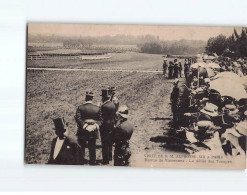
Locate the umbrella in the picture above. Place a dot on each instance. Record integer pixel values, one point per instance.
(229, 87)
(199, 64)
(210, 57)
(228, 75)
(244, 81)
(210, 72)
(213, 65)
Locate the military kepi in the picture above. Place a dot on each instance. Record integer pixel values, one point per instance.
(105, 93)
(59, 124)
(89, 93)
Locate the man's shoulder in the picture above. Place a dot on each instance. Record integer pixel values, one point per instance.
(127, 125)
(71, 141)
(108, 104)
(87, 104)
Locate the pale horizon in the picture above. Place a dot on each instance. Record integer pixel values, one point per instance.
(164, 32)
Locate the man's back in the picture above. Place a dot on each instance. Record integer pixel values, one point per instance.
(87, 111)
(108, 111)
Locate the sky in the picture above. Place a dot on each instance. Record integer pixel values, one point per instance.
(164, 32)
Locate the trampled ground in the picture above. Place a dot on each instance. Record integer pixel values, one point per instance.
(58, 93)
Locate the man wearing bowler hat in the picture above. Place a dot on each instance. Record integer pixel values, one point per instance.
(108, 115)
(64, 150)
(87, 118)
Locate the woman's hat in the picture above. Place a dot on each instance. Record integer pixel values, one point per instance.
(242, 128)
(210, 109)
(123, 111)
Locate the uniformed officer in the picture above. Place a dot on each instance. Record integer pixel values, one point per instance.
(176, 69)
(174, 101)
(108, 115)
(170, 68)
(122, 134)
(180, 69)
(87, 118)
(64, 150)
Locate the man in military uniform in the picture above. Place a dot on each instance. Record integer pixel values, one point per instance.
(64, 150)
(176, 69)
(87, 118)
(108, 115)
(171, 68)
(174, 103)
(122, 135)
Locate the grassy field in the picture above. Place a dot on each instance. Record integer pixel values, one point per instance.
(129, 60)
(52, 94)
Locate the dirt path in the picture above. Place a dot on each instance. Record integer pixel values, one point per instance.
(155, 114)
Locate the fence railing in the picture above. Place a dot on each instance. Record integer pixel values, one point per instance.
(41, 57)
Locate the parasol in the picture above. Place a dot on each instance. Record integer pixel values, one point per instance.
(244, 81)
(213, 65)
(228, 75)
(229, 87)
(199, 64)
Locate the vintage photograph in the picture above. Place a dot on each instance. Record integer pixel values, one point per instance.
(136, 95)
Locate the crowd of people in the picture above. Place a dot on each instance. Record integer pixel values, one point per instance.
(107, 122)
(210, 108)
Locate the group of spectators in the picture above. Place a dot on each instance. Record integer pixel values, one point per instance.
(174, 69)
(107, 122)
(210, 108)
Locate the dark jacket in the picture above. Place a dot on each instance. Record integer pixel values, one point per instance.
(124, 130)
(84, 112)
(108, 112)
(70, 153)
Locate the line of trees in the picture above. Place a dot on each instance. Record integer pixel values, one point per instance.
(232, 46)
(180, 47)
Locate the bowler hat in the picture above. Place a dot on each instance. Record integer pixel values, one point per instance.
(232, 108)
(210, 109)
(89, 93)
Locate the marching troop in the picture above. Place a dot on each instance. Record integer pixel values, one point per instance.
(210, 107)
(107, 122)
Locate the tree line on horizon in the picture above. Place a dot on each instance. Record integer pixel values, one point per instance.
(145, 43)
(232, 46)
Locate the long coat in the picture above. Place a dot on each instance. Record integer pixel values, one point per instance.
(69, 154)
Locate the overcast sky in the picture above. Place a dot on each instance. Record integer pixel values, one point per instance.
(164, 32)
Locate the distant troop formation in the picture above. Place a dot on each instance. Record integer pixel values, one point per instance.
(107, 122)
(210, 108)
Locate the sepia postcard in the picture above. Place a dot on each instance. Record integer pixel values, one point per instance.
(136, 95)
